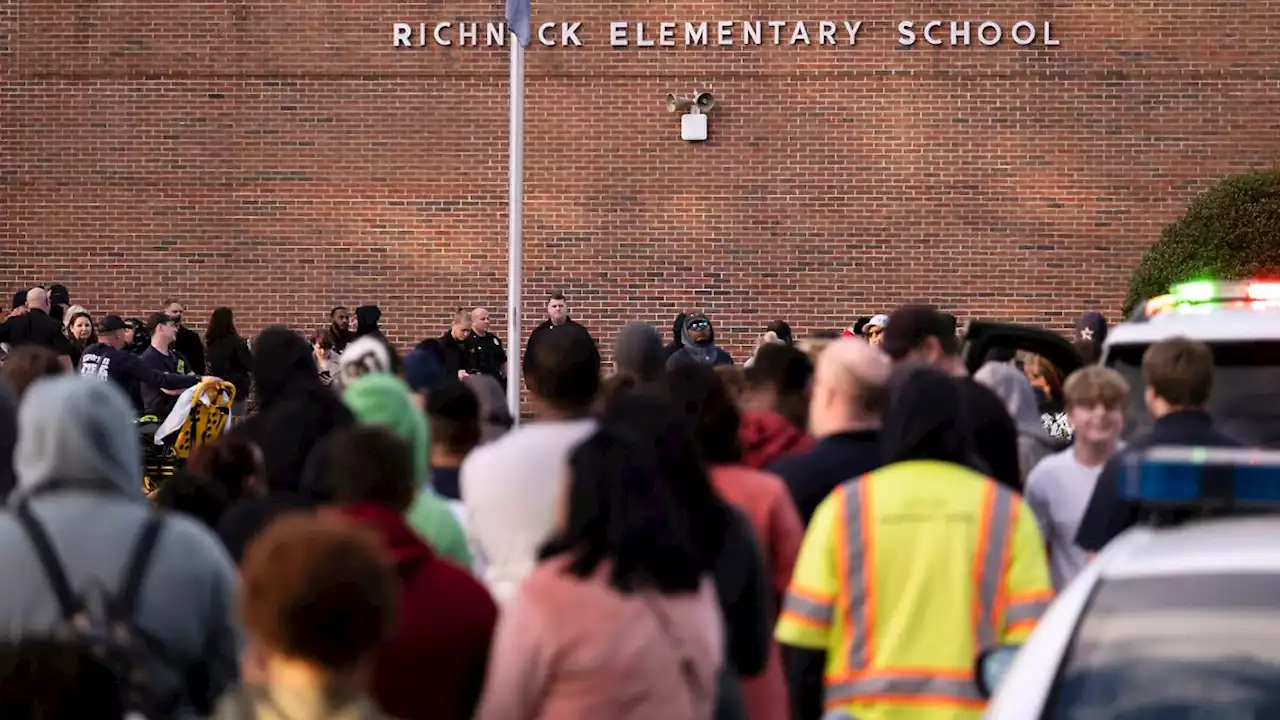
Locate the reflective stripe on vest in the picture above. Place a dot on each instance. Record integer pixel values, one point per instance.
(915, 688)
(998, 517)
(807, 611)
(859, 682)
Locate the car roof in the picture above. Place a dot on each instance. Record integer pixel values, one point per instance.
(1228, 546)
(1207, 325)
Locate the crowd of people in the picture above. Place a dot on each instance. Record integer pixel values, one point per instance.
(838, 525)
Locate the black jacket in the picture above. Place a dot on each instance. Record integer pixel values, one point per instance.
(455, 355)
(1108, 513)
(230, 359)
(35, 327)
(295, 410)
(742, 587)
(539, 333)
(191, 347)
(812, 476)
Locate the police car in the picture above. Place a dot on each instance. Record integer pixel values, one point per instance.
(1172, 620)
(1239, 321)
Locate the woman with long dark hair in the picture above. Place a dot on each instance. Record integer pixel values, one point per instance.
(713, 420)
(621, 599)
(229, 357)
(722, 535)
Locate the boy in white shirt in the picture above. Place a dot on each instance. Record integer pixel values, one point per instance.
(1059, 487)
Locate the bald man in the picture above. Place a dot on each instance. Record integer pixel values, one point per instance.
(844, 415)
(35, 327)
(487, 352)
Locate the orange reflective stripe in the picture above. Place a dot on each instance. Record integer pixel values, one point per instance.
(992, 563)
(805, 611)
(820, 597)
(1021, 626)
(1026, 610)
(904, 689)
(843, 573)
(905, 671)
(1031, 596)
(859, 584)
(857, 682)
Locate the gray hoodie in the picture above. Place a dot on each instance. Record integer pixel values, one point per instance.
(80, 432)
(1019, 398)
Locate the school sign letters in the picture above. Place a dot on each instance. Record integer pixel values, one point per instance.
(722, 33)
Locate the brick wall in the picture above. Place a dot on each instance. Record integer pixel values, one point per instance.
(280, 156)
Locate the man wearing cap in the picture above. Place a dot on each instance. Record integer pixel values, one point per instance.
(873, 331)
(163, 357)
(922, 335)
(107, 359)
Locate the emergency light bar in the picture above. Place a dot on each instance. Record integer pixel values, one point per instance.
(1196, 477)
(1186, 296)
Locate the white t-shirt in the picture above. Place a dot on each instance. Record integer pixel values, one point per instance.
(1058, 490)
(512, 490)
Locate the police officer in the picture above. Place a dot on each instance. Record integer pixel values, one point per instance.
(487, 354)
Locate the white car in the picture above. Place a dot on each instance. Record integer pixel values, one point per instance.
(1168, 622)
(1239, 321)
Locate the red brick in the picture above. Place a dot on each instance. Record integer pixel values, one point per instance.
(281, 157)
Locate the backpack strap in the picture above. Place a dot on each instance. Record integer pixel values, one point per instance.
(136, 571)
(48, 558)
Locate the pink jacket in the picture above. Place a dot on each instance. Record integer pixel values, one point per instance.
(569, 648)
(766, 502)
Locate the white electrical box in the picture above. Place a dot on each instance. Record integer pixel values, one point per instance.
(693, 127)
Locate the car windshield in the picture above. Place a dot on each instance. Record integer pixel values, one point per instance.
(1245, 402)
(1169, 648)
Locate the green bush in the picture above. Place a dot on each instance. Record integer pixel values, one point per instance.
(1231, 232)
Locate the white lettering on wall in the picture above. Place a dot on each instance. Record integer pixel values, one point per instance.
(467, 31)
(667, 34)
(641, 40)
(852, 30)
(994, 37)
(800, 34)
(648, 34)
(543, 40)
(724, 32)
(1024, 38)
(695, 34)
(403, 34)
(569, 34)
(906, 33)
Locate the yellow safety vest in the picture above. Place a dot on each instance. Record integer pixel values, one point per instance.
(905, 575)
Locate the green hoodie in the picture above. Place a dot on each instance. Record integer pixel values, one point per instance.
(384, 399)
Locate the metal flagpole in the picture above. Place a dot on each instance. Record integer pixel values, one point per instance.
(515, 227)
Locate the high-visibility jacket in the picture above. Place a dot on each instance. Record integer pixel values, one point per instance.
(904, 576)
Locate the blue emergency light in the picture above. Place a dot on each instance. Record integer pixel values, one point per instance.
(1195, 477)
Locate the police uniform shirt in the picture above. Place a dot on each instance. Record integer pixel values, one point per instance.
(488, 354)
